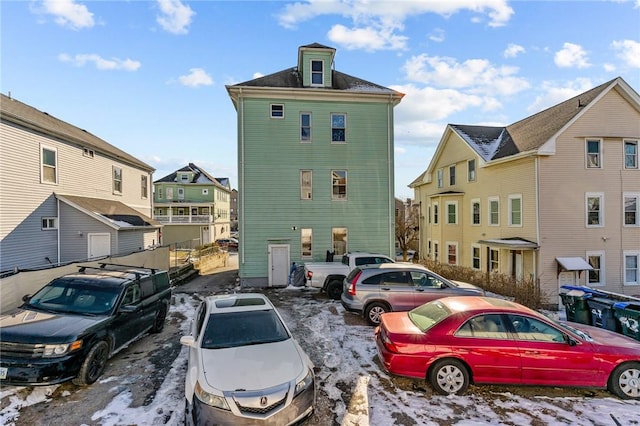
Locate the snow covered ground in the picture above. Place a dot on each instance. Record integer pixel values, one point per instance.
(352, 387)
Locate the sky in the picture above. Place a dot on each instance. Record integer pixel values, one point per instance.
(149, 76)
(351, 351)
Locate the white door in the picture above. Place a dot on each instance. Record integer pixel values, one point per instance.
(567, 278)
(99, 245)
(278, 265)
(205, 235)
(518, 267)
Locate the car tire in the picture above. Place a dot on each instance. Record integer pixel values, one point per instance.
(624, 382)
(93, 365)
(334, 290)
(373, 312)
(449, 376)
(158, 321)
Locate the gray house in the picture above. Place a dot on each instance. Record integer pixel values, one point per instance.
(66, 194)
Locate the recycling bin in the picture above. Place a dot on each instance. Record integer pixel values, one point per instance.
(603, 313)
(575, 305)
(628, 314)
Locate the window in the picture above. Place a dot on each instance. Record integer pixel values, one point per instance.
(435, 213)
(452, 253)
(277, 111)
(452, 175)
(515, 210)
(494, 211)
(452, 212)
(339, 241)
(436, 255)
(475, 257)
(594, 206)
(631, 209)
(144, 187)
(88, 153)
(306, 240)
(494, 260)
(594, 153)
(184, 177)
(205, 191)
(338, 127)
(49, 223)
(49, 161)
(317, 73)
(475, 212)
(596, 275)
(631, 263)
(180, 193)
(630, 154)
(159, 192)
(117, 180)
(305, 127)
(338, 185)
(440, 174)
(471, 170)
(306, 184)
(531, 329)
(169, 193)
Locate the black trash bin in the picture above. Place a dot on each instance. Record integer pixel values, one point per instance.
(603, 313)
(575, 305)
(628, 314)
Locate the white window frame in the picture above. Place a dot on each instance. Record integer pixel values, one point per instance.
(440, 178)
(634, 254)
(276, 111)
(313, 73)
(634, 156)
(117, 181)
(600, 196)
(306, 234)
(453, 204)
(184, 177)
(302, 127)
(492, 261)
(346, 239)
(436, 248)
(181, 193)
(490, 201)
(306, 191)
(144, 187)
(452, 175)
(344, 116)
(42, 165)
(473, 257)
(601, 271)
(471, 170)
(87, 152)
(436, 214)
(513, 197)
(159, 192)
(454, 245)
(593, 160)
(473, 203)
(205, 191)
(338, 197)
(635, 195)
(49, 223)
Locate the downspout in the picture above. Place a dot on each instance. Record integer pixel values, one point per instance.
(58, 229)
(390, 171)
(537, 189)
(241, 173)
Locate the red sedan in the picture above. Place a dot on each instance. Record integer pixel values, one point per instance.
(455, 341)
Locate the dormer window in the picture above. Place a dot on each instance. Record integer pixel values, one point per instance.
(277, 111)
(317, 73)
(184, 177)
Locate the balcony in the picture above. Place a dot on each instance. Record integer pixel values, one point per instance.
(184, 220)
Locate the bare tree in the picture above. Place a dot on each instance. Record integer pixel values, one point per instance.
(407, 230)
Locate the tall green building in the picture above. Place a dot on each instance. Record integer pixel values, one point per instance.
(315, 167)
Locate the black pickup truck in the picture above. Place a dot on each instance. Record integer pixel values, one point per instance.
(73, 325)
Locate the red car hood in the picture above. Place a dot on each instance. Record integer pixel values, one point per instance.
(606, 338)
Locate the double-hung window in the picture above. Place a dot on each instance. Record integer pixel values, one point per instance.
(630, 154)
(117, 180)
(471, 170)
(452, 212)
(435, 213)
(317, 73)
(596, 275)
(594, 153)
(144, 186)
(338, 127)
(49, 162)
(339, 241)
(452, 175)
(594, 209)
(631, 267)
(494, 211)
(338, 184)
(452, 253)
(475, 256)
(306, 184)
(494, 260)
(439, 174)
(515, 210)
(305, 127)
(631, 209)
(306, 241)
(475, 212)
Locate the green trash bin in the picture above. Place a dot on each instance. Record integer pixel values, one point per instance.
(603, 314)
(628, 314)
(576, 307)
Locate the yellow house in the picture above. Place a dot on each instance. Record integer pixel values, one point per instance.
(554, 197)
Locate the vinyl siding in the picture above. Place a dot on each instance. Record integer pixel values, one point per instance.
(75, 227)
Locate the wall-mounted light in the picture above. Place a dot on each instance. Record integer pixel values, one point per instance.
(80, 233)
(293, 228)
(605, 239)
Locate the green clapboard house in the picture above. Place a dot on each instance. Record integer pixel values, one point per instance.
(315, 167)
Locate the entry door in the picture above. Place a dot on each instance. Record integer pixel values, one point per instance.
(567, 278)
(517, 265)
(99, 245)
(205, 235)
(278, 265)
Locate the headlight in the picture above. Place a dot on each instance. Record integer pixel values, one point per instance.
(304, 383)
(210, 399)
(61, 349)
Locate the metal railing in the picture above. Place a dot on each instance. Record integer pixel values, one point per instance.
(184, 219)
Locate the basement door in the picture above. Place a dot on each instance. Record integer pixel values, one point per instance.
(278, 264)
(99, 245)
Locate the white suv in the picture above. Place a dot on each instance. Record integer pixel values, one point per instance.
(244, 365)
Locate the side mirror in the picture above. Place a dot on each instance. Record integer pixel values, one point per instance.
(26, 297)
(569, 340)
(188, 341)
(128, 309)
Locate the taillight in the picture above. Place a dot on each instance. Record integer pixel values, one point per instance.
(391, 347)
(309, 274)
(352, 288)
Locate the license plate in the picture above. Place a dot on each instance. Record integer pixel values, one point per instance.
(3, 372)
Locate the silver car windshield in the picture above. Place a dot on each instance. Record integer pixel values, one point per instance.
(233, 329)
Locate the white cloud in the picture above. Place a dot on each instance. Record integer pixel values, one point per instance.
(554, 93)
(476, 75)
(437, 35)
(628, 51)
(609, 67)
(67, 13)
(571, 56)
(376, 23)
(513, 50)
(175, 17)
(196, 77)
(81, 60)
(257, 75)
(399, 150)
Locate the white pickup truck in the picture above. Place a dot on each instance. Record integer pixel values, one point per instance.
(328, 276)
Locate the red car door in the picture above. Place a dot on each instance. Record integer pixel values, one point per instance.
(547, 359)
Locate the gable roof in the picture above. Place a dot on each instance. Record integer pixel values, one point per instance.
(23, 115)
(110, 212)
(200, 176)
